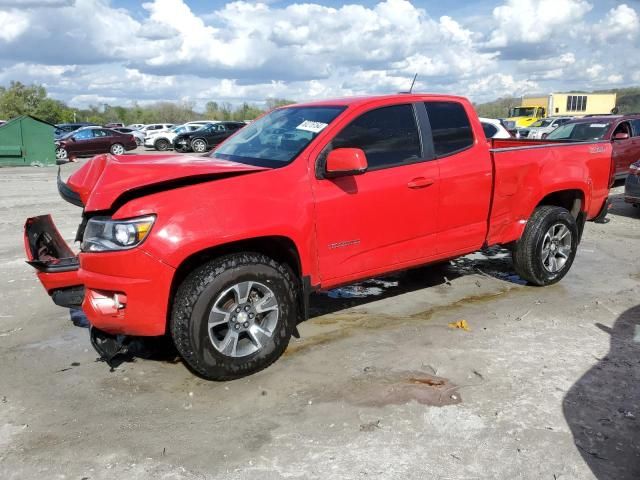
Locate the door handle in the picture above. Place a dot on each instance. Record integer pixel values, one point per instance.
(420, 182)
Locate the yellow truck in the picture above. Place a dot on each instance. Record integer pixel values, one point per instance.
(561, 104)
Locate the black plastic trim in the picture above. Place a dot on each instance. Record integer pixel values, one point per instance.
(67, 193)
(70, 297)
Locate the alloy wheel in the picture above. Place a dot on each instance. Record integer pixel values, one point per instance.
(556, 247)
(243, 318)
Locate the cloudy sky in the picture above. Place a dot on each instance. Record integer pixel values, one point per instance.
(121, 51)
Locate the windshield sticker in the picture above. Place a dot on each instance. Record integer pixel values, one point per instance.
(310, 126)
(598, 125)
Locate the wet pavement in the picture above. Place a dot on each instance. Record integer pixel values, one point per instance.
(542, 384)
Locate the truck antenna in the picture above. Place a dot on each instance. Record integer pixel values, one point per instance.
(413, 82)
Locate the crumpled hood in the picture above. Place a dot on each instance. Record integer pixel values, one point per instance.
(105, 178)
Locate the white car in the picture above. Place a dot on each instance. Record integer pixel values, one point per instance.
(135, 126)
(493, 128)
(163, 140)
(542, 127)
(156, 127)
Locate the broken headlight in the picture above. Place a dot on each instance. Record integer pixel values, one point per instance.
(102, 234)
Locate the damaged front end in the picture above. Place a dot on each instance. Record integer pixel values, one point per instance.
(55, 262)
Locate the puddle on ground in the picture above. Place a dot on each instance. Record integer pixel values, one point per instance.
(493, 262)
(346, 324)
(377, 389)
(368, 288)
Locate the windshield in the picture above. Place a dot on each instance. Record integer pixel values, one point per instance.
(580, 131)
(542, 123)
(277, 138)
(523, 112)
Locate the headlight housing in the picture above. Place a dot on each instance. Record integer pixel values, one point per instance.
(103, 234)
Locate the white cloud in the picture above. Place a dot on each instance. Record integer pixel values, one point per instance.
(534, 21)
(621, 23)
(13, 24)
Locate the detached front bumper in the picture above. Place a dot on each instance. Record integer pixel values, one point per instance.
(124, 292)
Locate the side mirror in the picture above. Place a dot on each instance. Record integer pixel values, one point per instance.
(345, 161)
(72, 138)
(621, 136)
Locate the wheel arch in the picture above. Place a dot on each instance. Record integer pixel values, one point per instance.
(572, 200)
(280, 248)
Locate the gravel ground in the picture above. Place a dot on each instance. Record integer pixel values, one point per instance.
(544, 384)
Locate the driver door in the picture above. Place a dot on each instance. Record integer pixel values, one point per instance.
(83, 144)
(386, 217)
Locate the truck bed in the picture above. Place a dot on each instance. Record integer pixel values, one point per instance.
(527, 170)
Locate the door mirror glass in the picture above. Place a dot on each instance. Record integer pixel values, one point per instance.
(621, 136)
(345, 161)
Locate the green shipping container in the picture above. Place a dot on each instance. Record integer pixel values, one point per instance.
(27, 140)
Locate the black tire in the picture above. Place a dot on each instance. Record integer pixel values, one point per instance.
(197, 295)
(161, 144)
(138, 141)
(527, 251)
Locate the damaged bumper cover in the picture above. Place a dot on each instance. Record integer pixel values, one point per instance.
(121, 293)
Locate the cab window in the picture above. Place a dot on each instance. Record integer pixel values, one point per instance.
(388, 136)
(450, 127)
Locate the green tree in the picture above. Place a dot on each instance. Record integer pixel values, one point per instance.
(274, 102)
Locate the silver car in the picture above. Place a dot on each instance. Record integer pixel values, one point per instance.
(543, 127)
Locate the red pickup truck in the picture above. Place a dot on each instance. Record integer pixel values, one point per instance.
(222, 252)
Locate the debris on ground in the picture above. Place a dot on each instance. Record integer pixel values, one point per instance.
(460, 324)
(370, 427)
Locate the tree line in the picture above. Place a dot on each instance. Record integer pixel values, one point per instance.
(19, 99)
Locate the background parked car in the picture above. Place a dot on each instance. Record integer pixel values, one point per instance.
(632, 185)
(163, 140)
(136, 126)
(63, 129)
(542, 127)
(622, 130)
(94, 140)
(493, 128)
(139, 136)
(114, 125)
(207, 137)
(146, 129)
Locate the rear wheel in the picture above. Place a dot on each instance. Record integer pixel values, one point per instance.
(545, 252)
(117, 149)
(234, 316)
(199, 145)
(161, 144)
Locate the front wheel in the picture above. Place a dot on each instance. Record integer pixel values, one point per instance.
(545, 252)
(61, 153)
(234, 315)
(117, 149)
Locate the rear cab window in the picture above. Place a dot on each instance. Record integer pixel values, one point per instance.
(450, 127)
